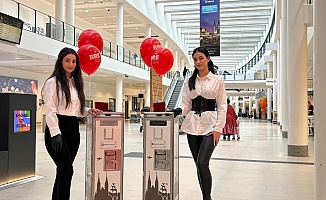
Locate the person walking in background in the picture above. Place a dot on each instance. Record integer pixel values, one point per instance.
(184, 71)
(310, 108)
(230, 127)
(64, 102)
(203, 124)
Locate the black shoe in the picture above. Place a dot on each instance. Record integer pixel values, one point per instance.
(224, 138)
(229, 138)
(233, 138)
(238, 138)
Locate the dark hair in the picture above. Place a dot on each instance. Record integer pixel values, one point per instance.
(62, 81)
(192, 79)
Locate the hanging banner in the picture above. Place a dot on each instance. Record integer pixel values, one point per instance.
(210, 26)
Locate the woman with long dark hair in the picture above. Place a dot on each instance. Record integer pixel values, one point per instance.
(64, 101)
(204, 104)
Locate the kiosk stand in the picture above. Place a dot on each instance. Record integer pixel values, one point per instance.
(104, 156)
(17, 137)
(161, 156)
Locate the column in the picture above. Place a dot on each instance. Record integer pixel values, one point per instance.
(319, 43)
(130, 108)
(119, 31)
(284, 68)
(275, 88)
(147, 94)
(70, 20)
(243, 105)
(297, 80)
(269, 103)
(165, 43)
(182, 65)
(257, 106)
(175, 62)
(118, 92)
(148, 30)
(250, 105)
(279, 89)
(59, 15)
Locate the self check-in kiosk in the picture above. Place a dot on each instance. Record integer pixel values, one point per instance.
(104, 156)
(161, 156)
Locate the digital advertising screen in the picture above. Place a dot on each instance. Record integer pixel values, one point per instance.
(22, 120)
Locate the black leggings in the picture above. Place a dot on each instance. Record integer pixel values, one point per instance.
(201, 148)
(69, 128)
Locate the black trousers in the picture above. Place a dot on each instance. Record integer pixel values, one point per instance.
(64, 159)
(202, 148)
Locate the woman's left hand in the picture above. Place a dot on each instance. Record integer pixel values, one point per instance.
(216, 136)
(94, 111)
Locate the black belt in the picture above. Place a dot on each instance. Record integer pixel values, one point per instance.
(201, 104)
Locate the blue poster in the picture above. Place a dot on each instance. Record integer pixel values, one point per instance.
(210, 26)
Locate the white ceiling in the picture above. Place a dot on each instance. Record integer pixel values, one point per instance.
(243, 23)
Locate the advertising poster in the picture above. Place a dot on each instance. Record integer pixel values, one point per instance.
(107, 162)
(158, 160)
(18, 85)
(210, 26)
(22, 120)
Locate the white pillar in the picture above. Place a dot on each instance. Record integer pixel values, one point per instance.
(269, 103)
(182, 65)
(119, 31)
(297, 80)
(148, 30)
(70, 19)
(274, 87)
(130, 108)
(165, 43)
(118, 92)
(59, 15)
(319, 60)
(250, 105)
(147, 94)
(279, 89)
(175, 63)
(284, 67)
(237, 105)
(243, 105)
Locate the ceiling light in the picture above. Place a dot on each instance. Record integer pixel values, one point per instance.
(127, 22)
(85, 10)
(104, 24)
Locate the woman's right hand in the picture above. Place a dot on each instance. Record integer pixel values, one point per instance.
(57, 143)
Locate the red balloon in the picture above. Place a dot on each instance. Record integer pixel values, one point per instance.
(147, 48)
(162, 61)
(89, 58)
(91, 37)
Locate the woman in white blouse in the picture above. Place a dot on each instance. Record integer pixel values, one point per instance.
(64, 101)
(204, 104)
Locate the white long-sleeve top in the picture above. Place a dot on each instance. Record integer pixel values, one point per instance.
(209, 87)
(52, 106)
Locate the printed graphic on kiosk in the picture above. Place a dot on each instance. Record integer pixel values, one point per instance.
(22, 120)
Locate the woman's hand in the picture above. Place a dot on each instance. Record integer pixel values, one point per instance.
(94, 111)
(216, 136)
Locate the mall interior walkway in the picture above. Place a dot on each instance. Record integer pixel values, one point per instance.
(256, 167)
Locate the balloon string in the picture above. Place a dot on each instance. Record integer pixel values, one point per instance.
(89, 87)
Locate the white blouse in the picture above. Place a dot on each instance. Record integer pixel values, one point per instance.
(52, 106)
(209, 87)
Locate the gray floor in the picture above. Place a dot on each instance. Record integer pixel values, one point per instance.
(256, 167)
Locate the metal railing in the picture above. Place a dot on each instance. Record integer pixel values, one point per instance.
(243, 70)
(48, 26)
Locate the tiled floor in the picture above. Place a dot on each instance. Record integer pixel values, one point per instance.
(256, 167)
